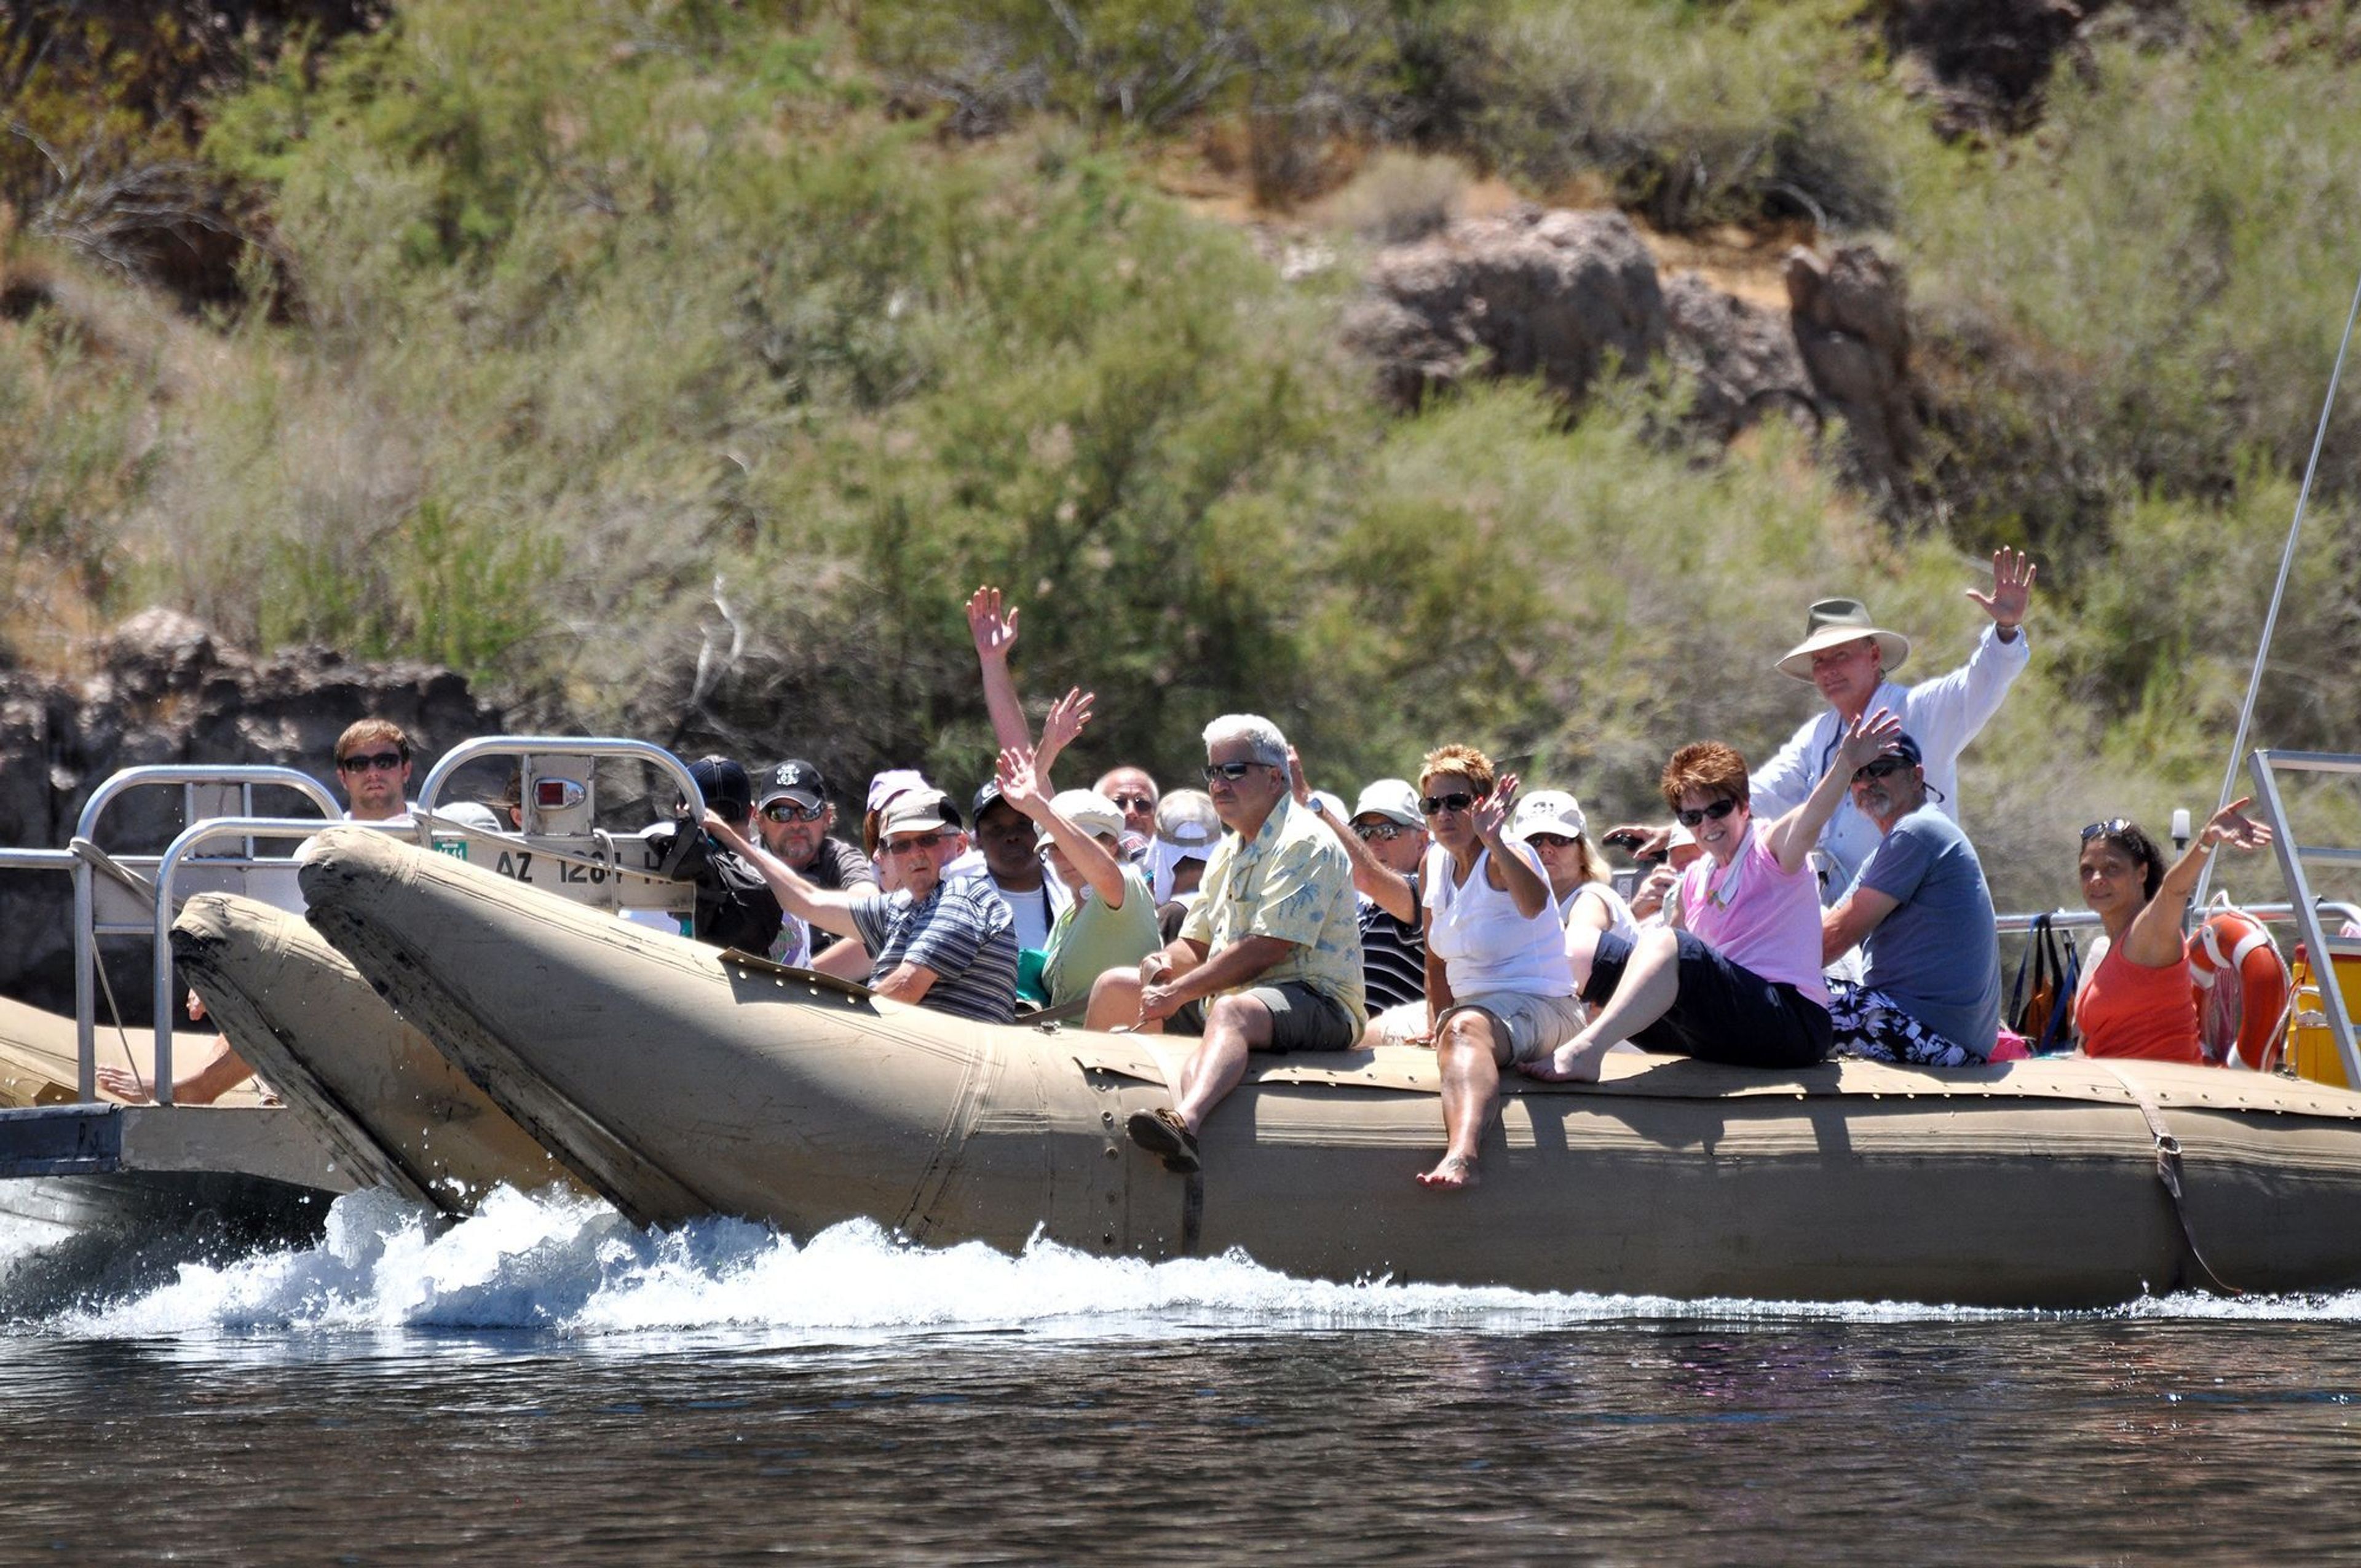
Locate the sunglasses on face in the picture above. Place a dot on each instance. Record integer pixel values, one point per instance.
(1384, 832)
(1134, 801)
(2112, 827)
(384, 761)
(1437, 804)
(1718, 810)
(788, 811)
(1233, 771)
(918, 841)
(1548, 840)
(1879, 769)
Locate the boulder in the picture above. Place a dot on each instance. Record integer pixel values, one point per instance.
(1549, 294)
(1741, 357)
(164, 689)
(1850, 315)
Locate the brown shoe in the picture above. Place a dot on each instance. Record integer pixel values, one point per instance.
(1162, 1132)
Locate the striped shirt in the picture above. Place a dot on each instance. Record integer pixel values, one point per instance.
(1393, 954)
(962, 932)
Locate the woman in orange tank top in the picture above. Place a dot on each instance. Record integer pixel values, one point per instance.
(2137, 1000)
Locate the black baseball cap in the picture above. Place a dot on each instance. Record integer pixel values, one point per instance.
(794, 780)
(726, 787)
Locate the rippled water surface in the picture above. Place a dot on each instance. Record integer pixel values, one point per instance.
(544, 1382)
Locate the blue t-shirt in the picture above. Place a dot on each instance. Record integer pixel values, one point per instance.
(962, 932)
(1936, 953)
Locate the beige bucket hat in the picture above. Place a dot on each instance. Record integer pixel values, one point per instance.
(1835, 621)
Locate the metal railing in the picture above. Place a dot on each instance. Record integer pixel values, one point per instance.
(202, 786)
(141, 892)
(2271, 807)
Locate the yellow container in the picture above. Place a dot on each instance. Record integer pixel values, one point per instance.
(2311, 1046)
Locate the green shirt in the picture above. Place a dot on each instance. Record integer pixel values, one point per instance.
(1090, 938)
(1293, 881)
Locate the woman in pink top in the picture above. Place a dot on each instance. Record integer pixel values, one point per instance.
(2136, 1000)
(1739, 981)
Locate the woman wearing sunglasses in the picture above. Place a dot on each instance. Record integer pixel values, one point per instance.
(1498, 989)
(1739, 979)
(2137, 1000)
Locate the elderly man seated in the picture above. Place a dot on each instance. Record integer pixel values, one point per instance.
(945, 943)
(1922, 917)
(1270, 958)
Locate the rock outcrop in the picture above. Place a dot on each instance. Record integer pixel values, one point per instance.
(1558, 295)
(1850, 315)
(167, 690)
(1553, 294)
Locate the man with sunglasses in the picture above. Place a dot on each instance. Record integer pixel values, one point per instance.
(373, 767)
(1268, 958)
(793, 816)
(1851, 660)
(946, 943)
(1135, 795)
(1922, 915)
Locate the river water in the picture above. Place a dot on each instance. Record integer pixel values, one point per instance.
(544, 1382)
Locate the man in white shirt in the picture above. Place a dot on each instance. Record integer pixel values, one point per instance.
(1851, 659)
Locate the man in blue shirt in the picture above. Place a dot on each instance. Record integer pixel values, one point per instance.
(1922, 915)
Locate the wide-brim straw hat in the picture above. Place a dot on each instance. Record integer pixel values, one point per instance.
(1837, 622)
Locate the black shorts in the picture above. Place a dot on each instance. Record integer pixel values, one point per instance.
(1724, 1012)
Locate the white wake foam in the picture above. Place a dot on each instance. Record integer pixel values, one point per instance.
(572, 1264)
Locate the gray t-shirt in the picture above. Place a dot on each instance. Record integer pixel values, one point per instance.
(1936, 953)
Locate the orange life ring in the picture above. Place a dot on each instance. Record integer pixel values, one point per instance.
(2241, 987)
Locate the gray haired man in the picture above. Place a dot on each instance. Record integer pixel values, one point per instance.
(1269, 957)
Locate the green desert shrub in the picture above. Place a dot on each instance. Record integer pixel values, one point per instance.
(2147, 291)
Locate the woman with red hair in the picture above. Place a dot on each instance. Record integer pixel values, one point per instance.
(1739, 979)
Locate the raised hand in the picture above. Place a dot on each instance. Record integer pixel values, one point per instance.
(993, 630)
(1296, 782)
(1490, 813)
(1020, 784)
(724, 829)
(2012, 589)
(1866, 739)
(2230, 825)
(1064, 721)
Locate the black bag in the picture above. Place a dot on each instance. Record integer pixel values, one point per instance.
(735, 907)
(2042, 1012)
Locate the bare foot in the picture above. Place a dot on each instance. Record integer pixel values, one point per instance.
(1572, 1062)
(1452, 1173)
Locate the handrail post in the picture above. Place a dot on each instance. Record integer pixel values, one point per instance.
(2307, 912)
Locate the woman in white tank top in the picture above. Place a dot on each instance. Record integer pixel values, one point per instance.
(1499, 988)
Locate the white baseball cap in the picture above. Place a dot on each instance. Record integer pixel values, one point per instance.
(1548, 811)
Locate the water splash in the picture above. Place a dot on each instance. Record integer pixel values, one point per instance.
(554, 1262)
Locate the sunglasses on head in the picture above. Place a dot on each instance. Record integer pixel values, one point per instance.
(916, 841)
(1879, 769)
(1134, 801)
(1233, 771)
(1718, 810)
(2112, 827)
(1384, 832)
(384, 761)
(788, 811)
(1437, 804)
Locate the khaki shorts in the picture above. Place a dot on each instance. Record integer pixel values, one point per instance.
(1531, 1025)
(1302, 1019)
